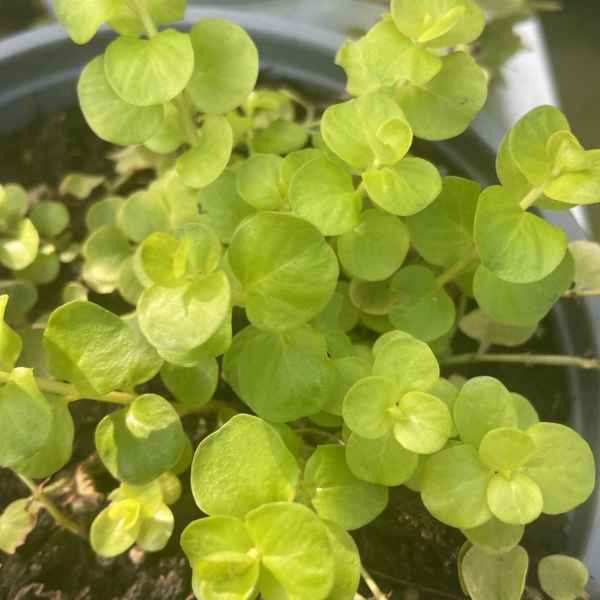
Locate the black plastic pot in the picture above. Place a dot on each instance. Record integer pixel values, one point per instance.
(38, 73)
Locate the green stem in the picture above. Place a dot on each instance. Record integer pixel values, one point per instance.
(532, 197)
(186, 117)
(373, 587)
(140, 7)
(59, 518)
(582, 293)
(554, 360)
(457, 268)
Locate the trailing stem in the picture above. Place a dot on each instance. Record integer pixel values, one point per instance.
(531, 198)
(582, 294)
(553, 360)
(372, 585)
(59, 517)
(457, 268)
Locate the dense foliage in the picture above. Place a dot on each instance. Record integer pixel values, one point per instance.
(314, 271)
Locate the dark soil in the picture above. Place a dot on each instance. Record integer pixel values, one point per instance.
(20, 14)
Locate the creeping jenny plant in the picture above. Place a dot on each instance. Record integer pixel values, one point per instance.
(294, 275)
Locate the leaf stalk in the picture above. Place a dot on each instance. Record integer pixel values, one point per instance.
(553, 360)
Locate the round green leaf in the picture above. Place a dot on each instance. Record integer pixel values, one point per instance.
(178, 320)
(367, 406)
(156, 529)
(454, 485)
(193, 386)
(104, 252)
(287, 270)
(373, 297)
(110, 117)
(563, 577)
(43, 270)
(145, 362)
(447, 392)
(201, 246)
(295, 160)
(16, 523)
(19, 247)
(90, 347)
(27, 416)
(442, 233)
(495, 535)
(258, 181)
(49, 218)
(280, 137)
(506, 449)
(227, 479)
(146, 72)
(225, 66)
(492, 576)
(286, 376)
(11, 344)
(323, 193)
(143, 214)
(409, 362)
(22, 297)
(104, 212)
(339, 314)
(82, 19)
(226, 574)
(422, 423)
(522, 304)
(348, 370)
(424, 309)
(171, 134)
(294, 547)
(375, 248)
(526, 413)
(483, 404)
(347, 563)
(127, 22)
(162, 260)
(516, 501)
(404, 189)
(368, 131)
(382, 461)
(336, 494)
(479, 326)
(516, 245)
(586, 256)
(116, 528)
(562, 466)
(445, 106)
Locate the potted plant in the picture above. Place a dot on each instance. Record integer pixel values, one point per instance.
(302, 316)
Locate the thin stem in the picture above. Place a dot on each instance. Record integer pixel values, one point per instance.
(582, 293)
(186, 117)
(59, 518)
(457, 268)
(373, 587)
(315, 431)
(531, 198)
(554, 360)
(140, 7)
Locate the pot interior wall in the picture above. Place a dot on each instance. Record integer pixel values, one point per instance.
(38, 74)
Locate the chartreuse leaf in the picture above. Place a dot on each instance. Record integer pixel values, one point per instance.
(146, 72)
(49, 218)
(104, 252)
(563, 577)
(323, 193)
(227, 479)
(528, 141)
(129, 286)
(562, 466)
(225, 66)
(381, 461)
(126, 22)
(285, 376)
(442, 233)
(494, 576)
(444, 107)
(171, 134)
(346, 563)
(368, 131)
(58, 447)
(404, 189)
(348, 370)
(192, 386)
(16, 523)
(516, 245)
(384, 57)
(339, 314)
(139, 443)
(506, 449)
(295, 160)
(447, 392)
(29, 414)
(104, 212)
(286, 269)
(22, 297)
(409, 362)
(19, 246)
(83, 18)
(142, 214)
(336, 494)
(479, 326)
(375, 248)
(483, 404)
(201, 246)
(522, 304)
(495, 535)
(224, 208)
(203, 163)
(110, 117)
(367, 406)
(372, 297)
(163, 260)
(177, 321)
(279, 137)
(454, 485)
(586, 256)
(156, 529)
(439, 24)
(526, 413)
(10, 341)
(80, 185)
(90, 347)
(516, 500)
(581, 187)
(294, 547)
(43, 270)
(423, 308)
(145, 362)
(231, 360)
(116, 528)
(258, 181)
